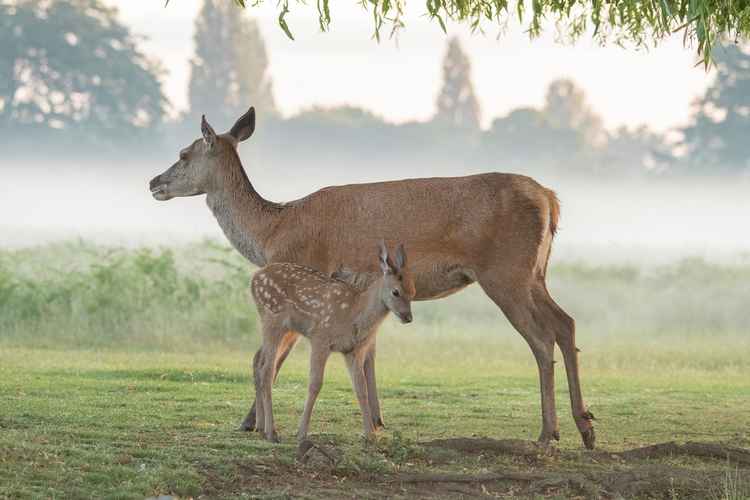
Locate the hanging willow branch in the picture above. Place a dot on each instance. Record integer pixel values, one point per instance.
(638, 22)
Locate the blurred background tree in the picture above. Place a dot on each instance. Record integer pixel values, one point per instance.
(457, 106)
(70, 71)
(71, 66)
(717, 137)
(230, 68)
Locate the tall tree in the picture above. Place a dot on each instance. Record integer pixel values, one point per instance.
(71, 65)
(717, 137)
(566, 108)
(456, 104)
(230, 67)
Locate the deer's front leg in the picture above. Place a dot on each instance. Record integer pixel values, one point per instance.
(355, 363)
(372, 389)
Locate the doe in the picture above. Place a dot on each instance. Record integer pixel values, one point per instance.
(336, 316)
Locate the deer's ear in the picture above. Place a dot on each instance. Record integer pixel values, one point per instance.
(244, 127)
(208, 133)
(400, 257)
(385, 261)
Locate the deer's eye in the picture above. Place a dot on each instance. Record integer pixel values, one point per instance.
(183, 155)
(396, 293)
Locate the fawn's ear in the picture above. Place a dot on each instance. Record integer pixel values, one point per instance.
(244, 127)
(385, 261)
(400, 257)
(209, 136)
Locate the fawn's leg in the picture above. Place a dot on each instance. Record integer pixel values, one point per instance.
(249, 423)
(355, 363)
(258, 361)
(272, 339)
(372, 389)
(266, 400)
(318, 358)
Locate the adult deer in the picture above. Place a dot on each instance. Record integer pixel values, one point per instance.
(494, 229)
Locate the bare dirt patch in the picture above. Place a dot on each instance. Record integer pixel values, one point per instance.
(320, 471)
(634, 473)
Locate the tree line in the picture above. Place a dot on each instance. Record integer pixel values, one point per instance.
(71, 72)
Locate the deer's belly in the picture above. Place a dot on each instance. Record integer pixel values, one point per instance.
(441, 281)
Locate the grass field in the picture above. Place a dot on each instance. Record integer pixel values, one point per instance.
(124, 373)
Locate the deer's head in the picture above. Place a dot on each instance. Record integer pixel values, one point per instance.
(196, 171)
(397, 284)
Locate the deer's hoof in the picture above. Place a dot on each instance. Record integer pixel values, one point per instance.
(589, 438)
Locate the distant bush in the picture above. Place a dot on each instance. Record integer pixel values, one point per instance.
(83, 296)
(121, 297)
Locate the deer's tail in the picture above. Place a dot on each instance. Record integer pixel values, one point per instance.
(554, 211)
(554, 220)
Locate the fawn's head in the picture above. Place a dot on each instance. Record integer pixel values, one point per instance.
(396, 285)
(196, 171)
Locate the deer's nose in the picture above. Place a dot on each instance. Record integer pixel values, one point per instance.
(407, 318)
(154, 182)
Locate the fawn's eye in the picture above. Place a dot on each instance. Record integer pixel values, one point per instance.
(396, 293)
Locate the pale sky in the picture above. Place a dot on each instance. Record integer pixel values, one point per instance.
(399, 80)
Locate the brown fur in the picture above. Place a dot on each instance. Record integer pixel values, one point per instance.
(294, 300)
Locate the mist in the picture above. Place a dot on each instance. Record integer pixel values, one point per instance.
(603, 221)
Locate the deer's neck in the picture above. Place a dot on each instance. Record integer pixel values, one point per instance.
(370, 311)
(245, 217)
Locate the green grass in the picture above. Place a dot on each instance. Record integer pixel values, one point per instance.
(123, 374)
(89, 424)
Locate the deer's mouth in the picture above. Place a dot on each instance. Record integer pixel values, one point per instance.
(159, 189)
(160, 193)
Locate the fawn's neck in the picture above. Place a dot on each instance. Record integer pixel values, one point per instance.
(370, 310)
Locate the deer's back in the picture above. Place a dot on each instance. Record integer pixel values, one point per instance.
(453, 228)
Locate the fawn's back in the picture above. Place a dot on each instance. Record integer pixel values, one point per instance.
(301, 297)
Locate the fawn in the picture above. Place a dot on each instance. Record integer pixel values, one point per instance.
(336, 316)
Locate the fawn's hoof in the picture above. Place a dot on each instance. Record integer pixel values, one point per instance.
(546, 437)
(272, 437)
(378, 424)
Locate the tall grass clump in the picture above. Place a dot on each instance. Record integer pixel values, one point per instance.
(84, 296)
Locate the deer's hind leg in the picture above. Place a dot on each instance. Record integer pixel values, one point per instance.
(517, 302)
(565, 330)
(541, 322)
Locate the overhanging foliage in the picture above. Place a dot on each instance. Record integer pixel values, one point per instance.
(638, 22)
